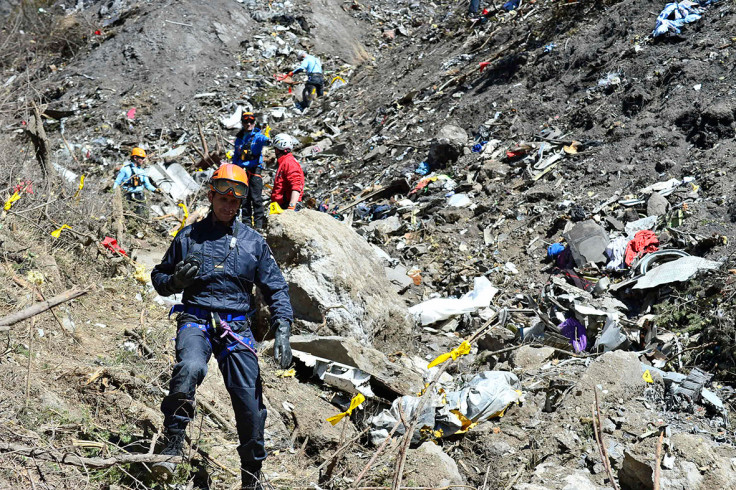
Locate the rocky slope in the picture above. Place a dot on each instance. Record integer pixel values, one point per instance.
(472, 145)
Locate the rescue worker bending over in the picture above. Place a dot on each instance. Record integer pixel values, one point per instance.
(215, 262)
(312, 66)
(249, 145)
(288, 185)
(133, 178)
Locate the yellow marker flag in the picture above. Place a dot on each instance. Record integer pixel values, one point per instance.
(81, 186)
(57, 233)
(647, 376)
(461, 350)
(274, 208)
(183, 220)
(11, 200)
(354, 403)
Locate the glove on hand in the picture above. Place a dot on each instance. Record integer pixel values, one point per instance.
(184, 274)
(290, 74)
(267, 131)
(281, 347)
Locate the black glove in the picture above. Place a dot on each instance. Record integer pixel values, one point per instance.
(281, 347)
(184, 274)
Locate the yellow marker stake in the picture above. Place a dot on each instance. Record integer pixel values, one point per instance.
(274, 208)
(647, 376)
(57, 233)
(183, 220)
(11, 200)
(461, 350)
(354, 403)
(81, 186)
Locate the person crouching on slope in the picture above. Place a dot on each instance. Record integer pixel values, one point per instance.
(288, 185)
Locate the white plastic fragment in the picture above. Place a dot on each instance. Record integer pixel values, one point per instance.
(438, 309)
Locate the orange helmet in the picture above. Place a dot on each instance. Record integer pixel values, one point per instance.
(138, 152)
(230, 179)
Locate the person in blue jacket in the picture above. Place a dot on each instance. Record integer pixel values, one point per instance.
(132, 178)
(248, 154)
(215, 264)
(312, 66)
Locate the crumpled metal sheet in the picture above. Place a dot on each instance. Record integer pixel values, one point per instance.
(676, 271)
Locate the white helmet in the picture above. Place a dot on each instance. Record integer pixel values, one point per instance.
(301, 54)
(283, 142)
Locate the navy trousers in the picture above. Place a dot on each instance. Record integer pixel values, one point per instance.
(474, 6)
(242, 376)
(253, 205)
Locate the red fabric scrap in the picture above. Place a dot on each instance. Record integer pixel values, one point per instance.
(112, 244)
(131, 114)
(483, 65)
(644, 242)
(24, 186)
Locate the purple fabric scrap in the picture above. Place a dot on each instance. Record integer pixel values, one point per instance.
(575, 331)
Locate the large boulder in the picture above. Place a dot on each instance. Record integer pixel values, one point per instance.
(337, 282)
(428, 466)
(447, 146)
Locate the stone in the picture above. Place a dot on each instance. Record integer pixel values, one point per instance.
(529, 358)
(444, 471)
(350, 352)
(384, 227)
(616, 375)
(657, 205)
(307, 410)
(397, 276)
(447, 146)
(337, 282)
(630, 215)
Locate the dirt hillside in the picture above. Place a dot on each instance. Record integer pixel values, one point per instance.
(451, 154)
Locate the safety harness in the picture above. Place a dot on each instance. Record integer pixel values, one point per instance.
(210, 332)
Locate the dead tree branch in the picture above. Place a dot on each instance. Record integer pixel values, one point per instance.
(75, 460)
(40, 307)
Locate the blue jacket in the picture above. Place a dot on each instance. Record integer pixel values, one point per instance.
(310, 64)
(249, 149)
(232, 258)
(125, 178)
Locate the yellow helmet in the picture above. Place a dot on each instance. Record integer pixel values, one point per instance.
(138, 152)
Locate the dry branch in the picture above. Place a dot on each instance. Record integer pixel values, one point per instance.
(75, 460)
(37, 308)
(215, 416)
(40, 142)
(117, 215)
(657, 463)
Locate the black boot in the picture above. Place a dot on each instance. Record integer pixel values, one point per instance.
(251, 478)
(174, 447)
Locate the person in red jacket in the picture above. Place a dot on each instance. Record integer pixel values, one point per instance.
(288, 185)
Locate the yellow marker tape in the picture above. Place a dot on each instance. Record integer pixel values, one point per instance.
(57, 233)
(286, 373)
(81, 186)
(467, 424)
(647, 376)
(183, 220)
(461, 350)
(354, 403)
(274, 208)
(11, 200)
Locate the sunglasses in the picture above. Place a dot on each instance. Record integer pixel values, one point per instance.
(248, 120)
(224, 186)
